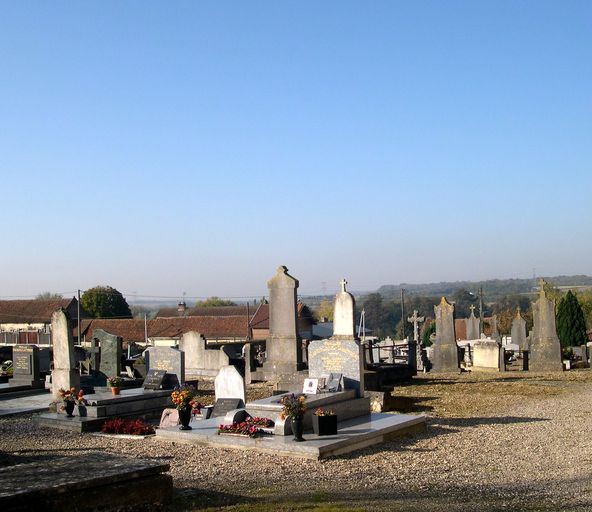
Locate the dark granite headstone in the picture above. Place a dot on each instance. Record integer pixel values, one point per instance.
(154, 379)
(110, 357)
(25, 364)
(169, 359)
(224, 405)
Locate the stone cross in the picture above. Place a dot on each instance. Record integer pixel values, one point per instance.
(472, 308)
(95, 354)
(415, 320)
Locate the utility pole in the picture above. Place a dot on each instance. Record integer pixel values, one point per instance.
(145, 330)
(78, 315)
(480, 310)
(403, 312)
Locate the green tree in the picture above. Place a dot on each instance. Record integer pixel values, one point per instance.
(571, 326)
(105, 302)
(49, 296)
(325, 310)
(585, 300)
(214, 301)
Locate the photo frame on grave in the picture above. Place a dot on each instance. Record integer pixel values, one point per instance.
(310, 387)
(334, 382)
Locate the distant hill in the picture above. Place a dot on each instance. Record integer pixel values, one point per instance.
(492, 288)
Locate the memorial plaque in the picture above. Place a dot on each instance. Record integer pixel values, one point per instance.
(334, 382)
(154, 379)
(225, 405)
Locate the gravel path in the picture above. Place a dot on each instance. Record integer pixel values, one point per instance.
(529, 454)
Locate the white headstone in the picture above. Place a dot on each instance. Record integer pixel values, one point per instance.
(229, 383)
(343, 314)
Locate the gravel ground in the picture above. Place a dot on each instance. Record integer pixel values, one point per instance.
(494, 442)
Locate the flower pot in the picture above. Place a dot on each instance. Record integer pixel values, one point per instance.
(69, 408)
(297, 428)
(115, 391)
(324, 425)
(82, 411)
(185, 417)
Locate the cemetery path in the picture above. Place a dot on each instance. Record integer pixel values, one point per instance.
(495, 442)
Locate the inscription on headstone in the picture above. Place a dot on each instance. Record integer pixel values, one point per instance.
(225, 405)
(25, 363)
(169, 359)
(154, 379)
(337, 356)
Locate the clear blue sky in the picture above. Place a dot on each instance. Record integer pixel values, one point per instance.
(189, 146)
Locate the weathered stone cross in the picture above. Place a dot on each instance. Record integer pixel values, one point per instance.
(472, 308)
(415, 320)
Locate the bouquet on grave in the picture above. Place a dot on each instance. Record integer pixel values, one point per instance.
(183, 397)
(294, 406)
(70, 395)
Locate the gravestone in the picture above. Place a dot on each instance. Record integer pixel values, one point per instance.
(201, 361)
(64, 374)
(486, 355)
(284, 353)
(343, 314)
(445, 350)
(519, 331)
(473, 325)
(25, 364)
(545, 349)
(495, 334)
(229, 383)
(95, 354)
(44, 360)
(339, 357)
(154, 379)
(416, 320)
(169, 359)
(110, 356)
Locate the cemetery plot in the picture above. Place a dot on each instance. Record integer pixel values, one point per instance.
(100, 480)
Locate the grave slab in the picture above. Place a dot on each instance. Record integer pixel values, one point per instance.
(101, 480)
(353, 434)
